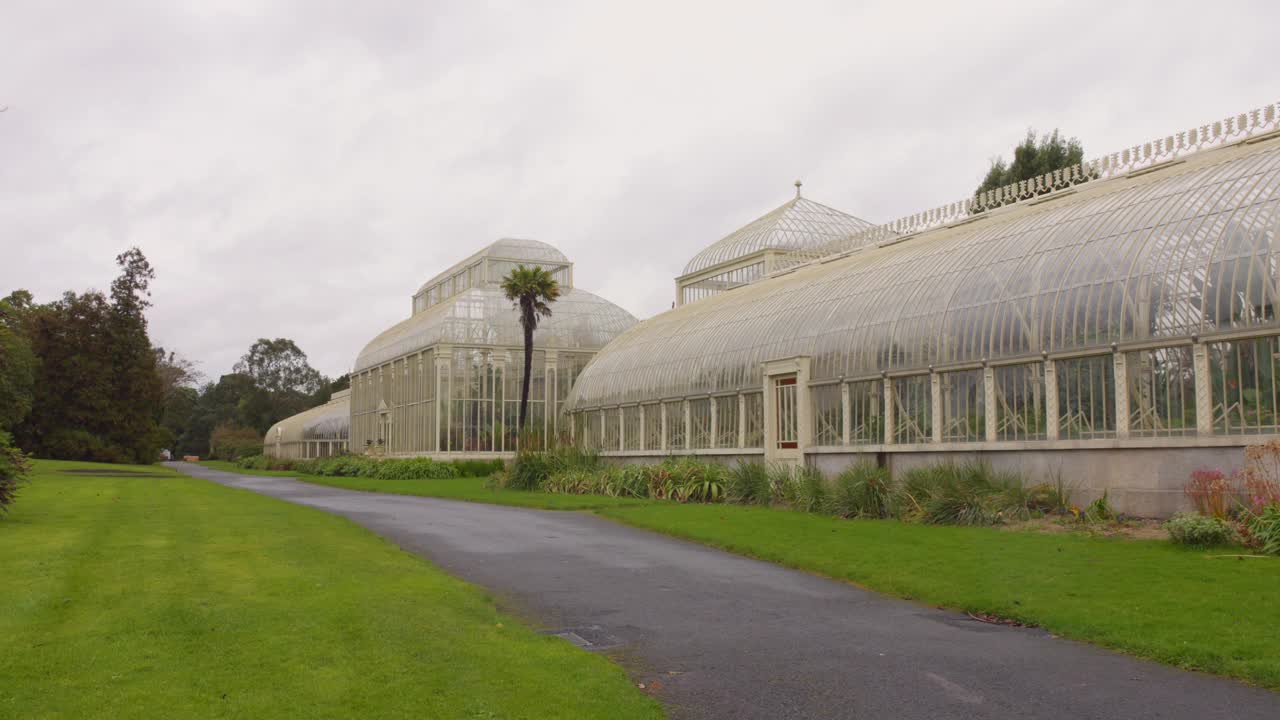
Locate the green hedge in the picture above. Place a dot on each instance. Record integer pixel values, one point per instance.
(388, 469)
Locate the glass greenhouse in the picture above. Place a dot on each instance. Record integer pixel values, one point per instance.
(1128, 301)
(447, 379)
(319, 432)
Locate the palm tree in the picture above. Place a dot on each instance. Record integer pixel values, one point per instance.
(530, 291)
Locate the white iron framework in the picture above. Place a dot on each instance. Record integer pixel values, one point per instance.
(1129, 299)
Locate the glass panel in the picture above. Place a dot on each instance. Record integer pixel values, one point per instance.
(866, 421)
(631, 427)
(784, 403)
(828, 415)
(700, 423)
(612, 429)
(727, 421)
(963, 406)
(652, 427)
(754, 405)
(1020, 409)
(675, 424)
(1086, 397)
(913, 404)
(1162, 392)
(1245, 391)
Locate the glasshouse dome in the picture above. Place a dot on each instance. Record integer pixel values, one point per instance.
(792, 233)
(1129, 302)
(447, 379)
(321, 431)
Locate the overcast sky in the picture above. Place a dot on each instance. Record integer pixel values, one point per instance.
(297, 169)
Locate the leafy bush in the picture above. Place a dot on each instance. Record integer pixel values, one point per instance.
(1196, 529)
(232, 442)
(14, 467)
(695, 481)
(1265, 528)
(748, 484)
(477, 468)
(531, 468)
(861, 491)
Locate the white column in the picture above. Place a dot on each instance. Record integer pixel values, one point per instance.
(644, 428)
(1120, 365)
(622, 429)
(889, 412)
(989, 402)
(846, 414)
(1050, 400)
(1204, 389)
(935, 407)
(688, 425)
(662, 409)
(742, 420)
(715, 424)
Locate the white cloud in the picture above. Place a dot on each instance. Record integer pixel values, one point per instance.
(297, 169)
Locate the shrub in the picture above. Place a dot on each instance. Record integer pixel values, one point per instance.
(1211, 491)
(1265, 529)
(748, 484)
(14, 468)
(694, 481)
(1196, 529)
(861, 491)
(409, 469)
(530, 469)
(477, 468)
(232, 442)
(1262, 474)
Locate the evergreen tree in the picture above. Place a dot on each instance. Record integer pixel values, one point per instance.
(1032, 159)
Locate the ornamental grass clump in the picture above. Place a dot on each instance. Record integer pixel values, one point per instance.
(747, 483)
(1265, 529)
(960, 494)
(861, 491)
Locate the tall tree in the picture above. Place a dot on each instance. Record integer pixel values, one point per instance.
(97, 395)
(176, 372)
(288, 383)
(17, 361)
(531, 291)
(1032, 159)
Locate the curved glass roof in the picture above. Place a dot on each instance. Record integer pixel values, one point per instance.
(533, 251)
(331, 421)
(798, 224)
(1184, 248)
(483, 316)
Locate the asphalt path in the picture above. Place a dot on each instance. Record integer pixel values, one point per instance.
(716, 635)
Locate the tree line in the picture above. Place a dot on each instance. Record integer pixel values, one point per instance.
(80, 379)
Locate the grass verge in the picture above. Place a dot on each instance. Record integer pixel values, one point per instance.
(166, 596)
(466, 488)
(1148, 598)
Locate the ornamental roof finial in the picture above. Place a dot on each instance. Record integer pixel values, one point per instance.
(798, 184)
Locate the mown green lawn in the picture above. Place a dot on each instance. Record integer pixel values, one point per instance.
(467, 488)
(1148, 598)
(171, 597)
